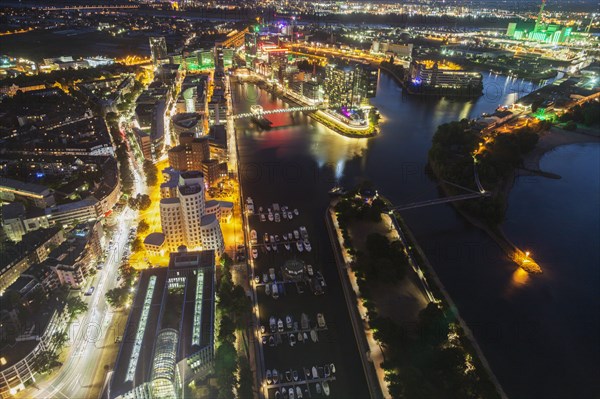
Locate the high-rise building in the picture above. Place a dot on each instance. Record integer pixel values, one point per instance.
(348, 85)
(190, 153)
(339, 84)
(183, 218)
(158, 49)
(218, 54)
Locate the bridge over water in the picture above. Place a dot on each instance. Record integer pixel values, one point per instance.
(470, 194)
(257, 110)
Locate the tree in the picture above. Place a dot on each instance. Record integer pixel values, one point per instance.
(137, 245)
(59, 339)
(144, 201)
(245, 380)
(151, 173)
(240, 306)
(46, 360)
(433, 325)
(76, 305)
(225, 366)
(226, 261)
(143, 227)
(117, 297)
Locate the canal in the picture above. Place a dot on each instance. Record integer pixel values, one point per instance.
(537, 345)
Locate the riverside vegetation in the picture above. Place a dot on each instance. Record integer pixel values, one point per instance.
(429, 358)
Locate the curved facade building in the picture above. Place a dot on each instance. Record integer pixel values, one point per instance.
(165, 382)
(211, 235)
(171, 222)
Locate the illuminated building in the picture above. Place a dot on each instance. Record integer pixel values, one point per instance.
(540, 32)
(21, 358)
(183, 217)
(190, 153)
(35, 194)
(75, 258)
(34, 248)
(440, 81)
(158, 49)
(169, 338)
(403, 51)
(188, 122)
(348, 85)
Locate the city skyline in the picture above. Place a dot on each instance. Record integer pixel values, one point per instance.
(366, 199)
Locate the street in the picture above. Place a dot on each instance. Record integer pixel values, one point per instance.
(91, 335)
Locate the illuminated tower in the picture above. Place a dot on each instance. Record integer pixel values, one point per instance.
(538, 21)
(158, 49)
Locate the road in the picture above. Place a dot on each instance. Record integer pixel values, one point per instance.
(78, 376)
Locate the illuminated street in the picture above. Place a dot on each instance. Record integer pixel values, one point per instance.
(293, 200)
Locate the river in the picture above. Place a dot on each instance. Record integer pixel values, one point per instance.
(537, 334)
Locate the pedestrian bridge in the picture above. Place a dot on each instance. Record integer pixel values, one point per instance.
(257, 110)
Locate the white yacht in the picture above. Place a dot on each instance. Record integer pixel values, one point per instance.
(320, 320)
(318, 388)
(303, 233)
(304, 321)
(269, 377)
(307, 246)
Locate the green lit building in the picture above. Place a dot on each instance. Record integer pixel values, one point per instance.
(550, 33)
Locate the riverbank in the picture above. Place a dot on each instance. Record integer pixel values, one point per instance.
(549, 140)
(386, 326)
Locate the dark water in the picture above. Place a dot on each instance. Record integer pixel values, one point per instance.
(541, 335)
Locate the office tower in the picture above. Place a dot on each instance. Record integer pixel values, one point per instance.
(158, 49)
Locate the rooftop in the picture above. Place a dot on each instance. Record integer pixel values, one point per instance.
(6, 183)
(181, 295)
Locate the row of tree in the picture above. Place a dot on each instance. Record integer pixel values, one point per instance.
(420, 359)
(235, 310)
(140, 201)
